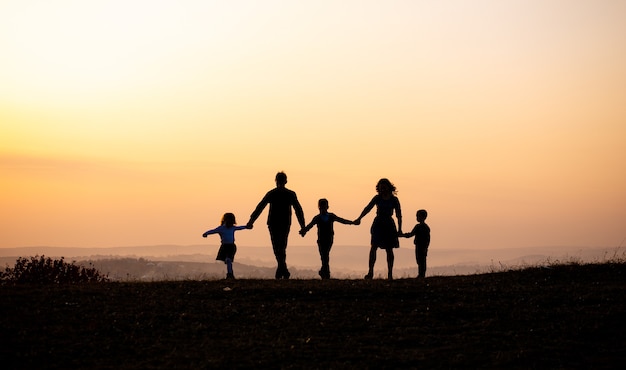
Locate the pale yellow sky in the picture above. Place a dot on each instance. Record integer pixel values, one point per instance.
(141, 122)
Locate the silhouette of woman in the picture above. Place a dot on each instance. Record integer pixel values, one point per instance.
(383, 230)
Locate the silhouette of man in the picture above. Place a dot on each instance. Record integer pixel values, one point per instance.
(281, 201)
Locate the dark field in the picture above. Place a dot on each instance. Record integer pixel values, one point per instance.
(566, 316)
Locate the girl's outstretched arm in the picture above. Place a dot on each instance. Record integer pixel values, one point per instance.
(212, 231)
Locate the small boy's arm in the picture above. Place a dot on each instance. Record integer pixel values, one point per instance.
(344, 221)
(308, 226)
(305, 229)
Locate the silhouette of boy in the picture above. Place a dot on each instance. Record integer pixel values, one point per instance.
(421, 231)
(325, 234)
(281, 201)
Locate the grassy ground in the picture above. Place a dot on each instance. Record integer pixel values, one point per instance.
(566, 316)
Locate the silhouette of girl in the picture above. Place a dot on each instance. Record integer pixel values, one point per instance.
(228, 248)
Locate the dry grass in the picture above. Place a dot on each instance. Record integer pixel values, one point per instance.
(560, 316)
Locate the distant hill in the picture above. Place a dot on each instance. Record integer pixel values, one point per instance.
(154, 263)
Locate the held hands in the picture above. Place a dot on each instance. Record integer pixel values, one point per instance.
(302, 232)
(356, 222)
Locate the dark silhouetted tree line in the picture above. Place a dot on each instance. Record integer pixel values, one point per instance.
(42, 270)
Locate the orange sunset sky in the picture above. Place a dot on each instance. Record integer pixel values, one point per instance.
(141, 122)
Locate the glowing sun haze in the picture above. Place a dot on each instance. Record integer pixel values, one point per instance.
(141, 122)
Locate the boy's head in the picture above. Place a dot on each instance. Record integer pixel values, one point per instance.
(322, 204)
(421, 215)
(281, 179)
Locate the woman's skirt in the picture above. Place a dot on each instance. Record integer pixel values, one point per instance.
(384, 233)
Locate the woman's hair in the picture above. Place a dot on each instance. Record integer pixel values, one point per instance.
(228, 220)
(388, 184)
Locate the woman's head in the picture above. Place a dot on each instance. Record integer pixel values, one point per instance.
(228, 219)
(384, 186)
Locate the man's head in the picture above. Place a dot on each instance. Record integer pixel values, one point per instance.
(281, 179)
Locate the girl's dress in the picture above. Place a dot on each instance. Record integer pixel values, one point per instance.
(227, 235)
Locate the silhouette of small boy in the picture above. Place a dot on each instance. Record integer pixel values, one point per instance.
(227, 250)
(325, 234)
(421, 231)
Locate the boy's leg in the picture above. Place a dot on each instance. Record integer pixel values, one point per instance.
(418, 260)
(324, 250)
(421, 261)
